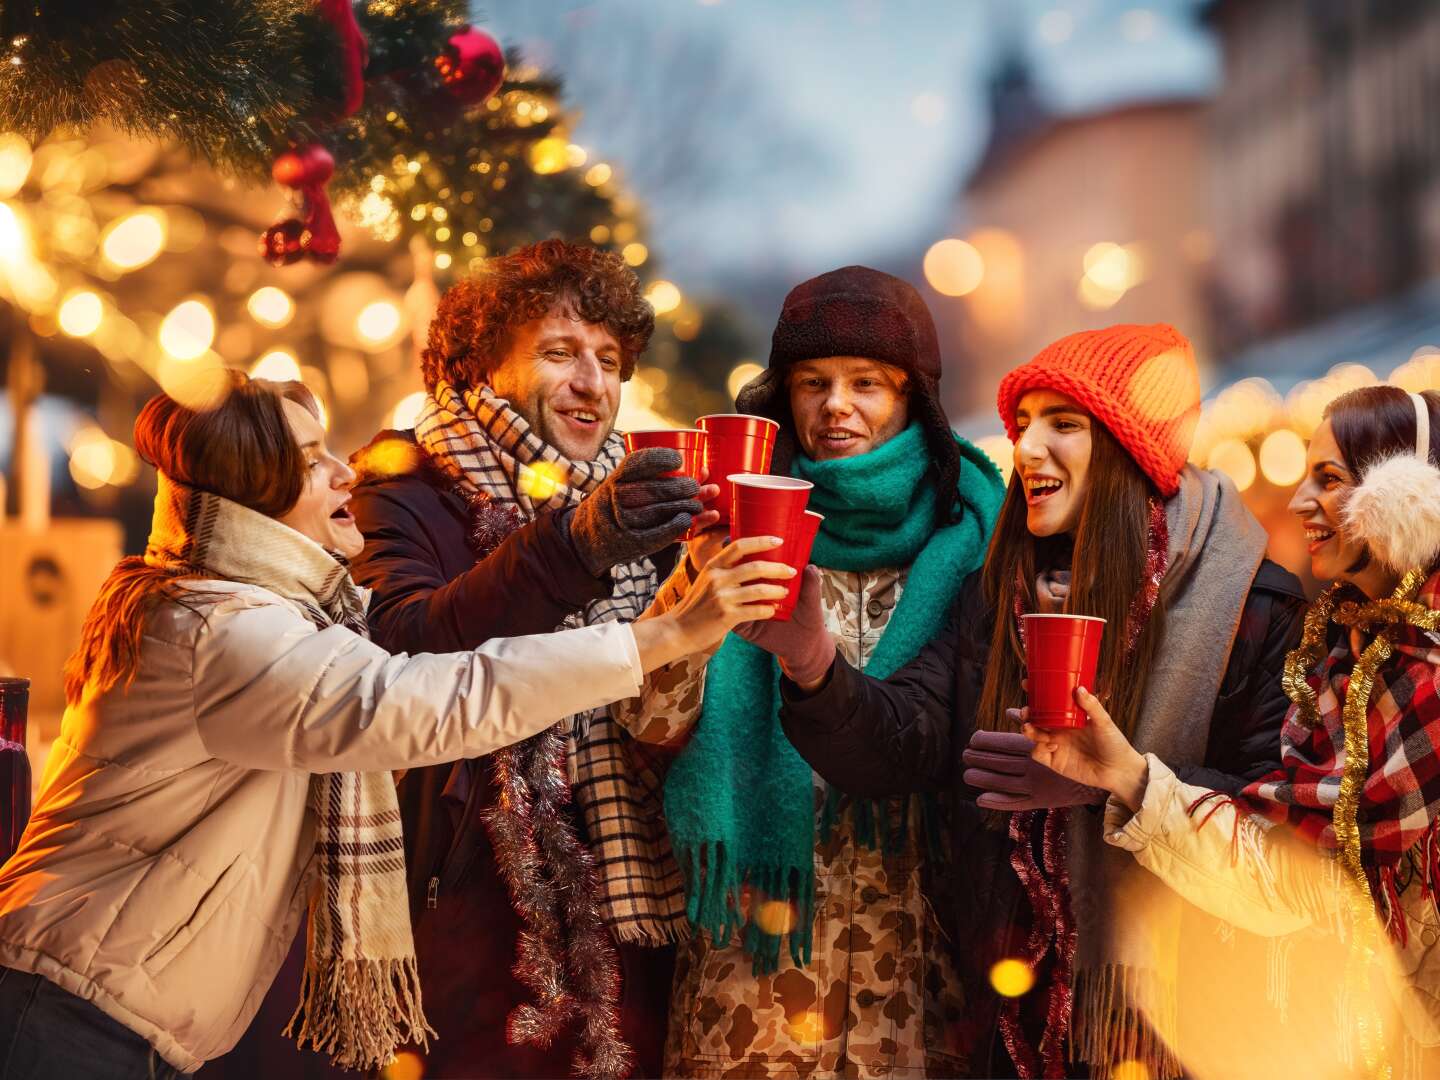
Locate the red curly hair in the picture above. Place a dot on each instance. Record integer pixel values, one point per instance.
(477, 315)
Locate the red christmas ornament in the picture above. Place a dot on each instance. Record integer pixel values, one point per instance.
(307, 170)
(280, 243)
(340, 14)
(472, 67)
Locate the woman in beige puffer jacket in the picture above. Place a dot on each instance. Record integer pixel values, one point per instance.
(164, 871)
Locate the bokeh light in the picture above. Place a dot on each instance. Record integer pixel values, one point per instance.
(954, 267)
(775, 917)
(278, 365)
(541, 480)
(1130, 1070)
(15, 160)
(97, 460)
(188, 330)
(1282, 457)
(271, 307)
(1234, 459)
(134, 240)
(634, 253)
(550, 155)
(664, 297)
(741, 374)
(1012, 978)
(81, 313)
(407, 411)
(378, 323)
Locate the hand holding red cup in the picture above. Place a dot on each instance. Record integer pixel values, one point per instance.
(1062, 652)
(773, 506)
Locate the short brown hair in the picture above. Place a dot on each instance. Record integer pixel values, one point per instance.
(477, 315)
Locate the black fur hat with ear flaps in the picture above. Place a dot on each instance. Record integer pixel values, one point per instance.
(857, 311)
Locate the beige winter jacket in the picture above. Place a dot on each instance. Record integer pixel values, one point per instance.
(1228, 866)
(164, 871)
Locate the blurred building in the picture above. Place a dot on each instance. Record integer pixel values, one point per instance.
(1326, 149)
(1070, 221)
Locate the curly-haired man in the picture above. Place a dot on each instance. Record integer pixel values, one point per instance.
(509, 510)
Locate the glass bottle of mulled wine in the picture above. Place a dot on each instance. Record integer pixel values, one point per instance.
(14, 764)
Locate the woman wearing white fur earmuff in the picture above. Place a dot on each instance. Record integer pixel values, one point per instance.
(1360, 777)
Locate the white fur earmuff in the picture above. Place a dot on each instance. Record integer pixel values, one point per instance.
(1395, 510)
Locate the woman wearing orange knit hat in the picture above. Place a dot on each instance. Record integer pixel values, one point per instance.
(1102, 517)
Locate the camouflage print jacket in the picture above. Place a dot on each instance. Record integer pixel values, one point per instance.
(880, 997)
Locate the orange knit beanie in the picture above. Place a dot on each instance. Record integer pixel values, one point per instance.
(1139, 381)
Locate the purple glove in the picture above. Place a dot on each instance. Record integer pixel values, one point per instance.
(1001, 767)
(803, 646)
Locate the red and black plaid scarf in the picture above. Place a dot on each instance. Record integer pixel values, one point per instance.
(1397, 800)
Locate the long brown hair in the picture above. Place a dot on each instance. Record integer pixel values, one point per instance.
(243, 450)
(1107, 571)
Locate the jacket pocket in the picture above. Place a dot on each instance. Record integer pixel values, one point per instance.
(217, 895)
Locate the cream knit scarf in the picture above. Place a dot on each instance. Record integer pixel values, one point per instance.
(360, 998)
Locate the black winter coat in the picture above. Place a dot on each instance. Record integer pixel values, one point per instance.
(907, 733)
(430, 595)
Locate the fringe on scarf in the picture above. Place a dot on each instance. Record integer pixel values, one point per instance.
(878, 829)
(1108, 1028)
(779, 908)
(358, 1011)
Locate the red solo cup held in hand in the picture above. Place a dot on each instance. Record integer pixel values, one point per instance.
(766, 506)
(735, 443)
(1061, 653)
(796, 552)
(689, 441)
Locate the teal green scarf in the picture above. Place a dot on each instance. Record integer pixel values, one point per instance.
(739, 801)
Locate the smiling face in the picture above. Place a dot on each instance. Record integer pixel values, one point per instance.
(1052, 459)
(323, 510)
(1317, 502)
(846, 405)
(562, 374)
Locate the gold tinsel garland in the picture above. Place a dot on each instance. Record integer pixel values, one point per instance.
(1399, 608)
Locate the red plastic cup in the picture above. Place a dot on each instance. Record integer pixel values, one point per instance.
(796, 552)
(735, 443)
(768, 506)
(689, 441)
(1061, 653)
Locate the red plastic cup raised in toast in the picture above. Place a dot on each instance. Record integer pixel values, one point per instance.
(735, 443)
(1061, 653)
(689, 441)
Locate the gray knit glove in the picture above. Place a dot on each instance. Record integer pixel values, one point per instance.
(636, 511)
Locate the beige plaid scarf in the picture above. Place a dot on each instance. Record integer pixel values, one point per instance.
(360, 998)
(487, 446)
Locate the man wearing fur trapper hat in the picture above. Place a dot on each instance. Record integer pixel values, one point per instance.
(863, 985)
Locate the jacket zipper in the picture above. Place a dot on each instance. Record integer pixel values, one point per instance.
(432, 892)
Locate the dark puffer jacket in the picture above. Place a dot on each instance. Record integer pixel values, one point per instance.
(430, 595)
(907, 733)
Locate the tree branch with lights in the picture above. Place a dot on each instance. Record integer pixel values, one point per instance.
(398, 107)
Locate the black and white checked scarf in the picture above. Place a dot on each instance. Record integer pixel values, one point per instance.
(360, 997)
(487, 448)
(485, 445)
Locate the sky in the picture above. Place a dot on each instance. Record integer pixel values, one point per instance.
(844, 128)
